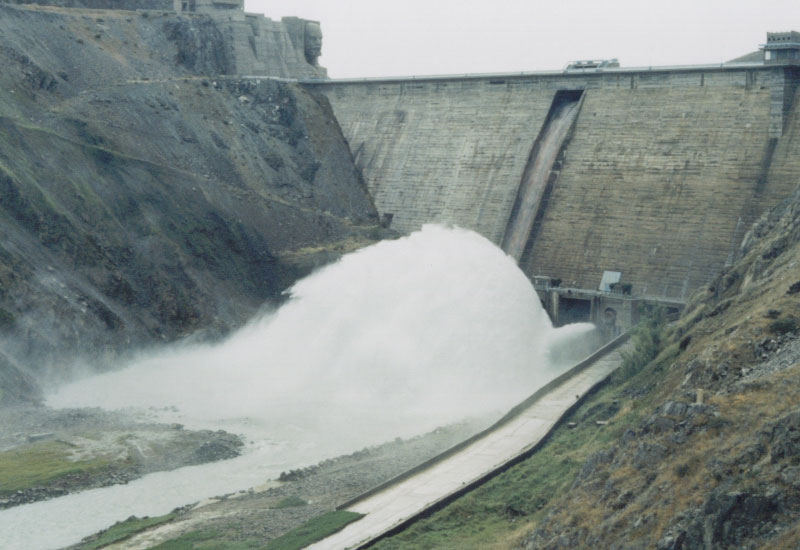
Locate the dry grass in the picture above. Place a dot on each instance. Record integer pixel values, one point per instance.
(512, 538)
(41, 464)
(788, 540)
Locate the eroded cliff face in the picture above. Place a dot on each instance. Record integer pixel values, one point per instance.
(143, 201)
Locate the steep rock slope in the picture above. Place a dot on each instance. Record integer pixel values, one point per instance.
(721, 470)
(141, 201)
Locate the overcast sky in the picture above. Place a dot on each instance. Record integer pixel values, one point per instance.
(405, 37)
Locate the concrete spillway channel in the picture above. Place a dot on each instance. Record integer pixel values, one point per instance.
(396, 504)
(558, 124)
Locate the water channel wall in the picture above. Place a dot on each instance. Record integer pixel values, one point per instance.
(663, 173)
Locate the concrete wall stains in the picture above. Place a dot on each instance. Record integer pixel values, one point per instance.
(450, 152)
(664, 172)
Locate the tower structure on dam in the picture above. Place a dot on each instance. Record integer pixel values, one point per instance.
(647, 197)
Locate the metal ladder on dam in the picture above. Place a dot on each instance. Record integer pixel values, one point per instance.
(538, 174)
(391, 507)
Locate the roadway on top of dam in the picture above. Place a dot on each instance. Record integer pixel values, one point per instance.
(469, 76)
(394, 505)
(730, 66)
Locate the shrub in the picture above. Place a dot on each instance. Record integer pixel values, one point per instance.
(6, 319)
(648, 341)
(681, 470)
(783, 326)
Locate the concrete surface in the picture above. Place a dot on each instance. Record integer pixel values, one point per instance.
(407, 499)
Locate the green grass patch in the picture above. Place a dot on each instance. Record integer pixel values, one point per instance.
(40, 464)
(123, 530)
(783, 326)
(314, 530)
(7, 319)
(308, 533)
(208, 539)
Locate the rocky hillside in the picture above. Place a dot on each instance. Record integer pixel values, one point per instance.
(130, 5)
(714, 462)
(142, 200)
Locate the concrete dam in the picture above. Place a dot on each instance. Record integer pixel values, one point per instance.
(644, 191)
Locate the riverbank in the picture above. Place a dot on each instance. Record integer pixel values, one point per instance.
(251, 518)
(47, 453)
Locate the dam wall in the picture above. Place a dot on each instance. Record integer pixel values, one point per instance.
(660, 184)
(663, 173)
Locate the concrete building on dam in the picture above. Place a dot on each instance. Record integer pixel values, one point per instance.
(643, 192)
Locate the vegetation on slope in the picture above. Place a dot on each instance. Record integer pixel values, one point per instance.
(208, 539)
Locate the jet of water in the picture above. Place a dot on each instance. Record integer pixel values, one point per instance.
(392, 340)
